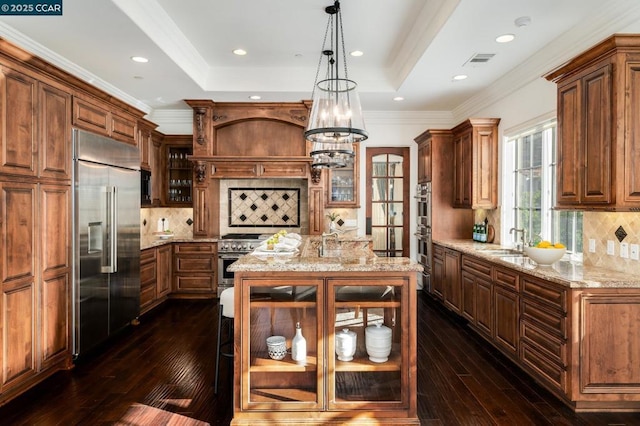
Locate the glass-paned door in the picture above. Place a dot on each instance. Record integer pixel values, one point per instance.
(388, 200)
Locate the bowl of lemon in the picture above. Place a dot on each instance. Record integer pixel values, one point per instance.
(545, 252)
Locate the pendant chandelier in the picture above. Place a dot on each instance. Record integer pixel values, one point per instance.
(336, 121)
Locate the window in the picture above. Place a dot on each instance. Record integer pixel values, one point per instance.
(529, 176)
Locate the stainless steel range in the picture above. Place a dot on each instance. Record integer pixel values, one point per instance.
(230, 248)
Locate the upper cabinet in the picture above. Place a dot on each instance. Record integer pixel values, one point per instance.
(475, 178)
(598, 131)
(342, 183)
(99, 117)
(178, 179)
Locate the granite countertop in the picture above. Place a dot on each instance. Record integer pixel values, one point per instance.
(348, 254)
(573, 274)
(151, 241)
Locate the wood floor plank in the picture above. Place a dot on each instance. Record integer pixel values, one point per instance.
(161, 373)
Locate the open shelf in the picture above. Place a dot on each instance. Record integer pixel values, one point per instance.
(262, 363)
(362, 363)
(275, 395)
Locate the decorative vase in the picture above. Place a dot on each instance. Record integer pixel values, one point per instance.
(299, 346)
(378, 342)
(346, 344)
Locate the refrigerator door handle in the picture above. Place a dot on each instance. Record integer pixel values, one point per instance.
(112, 229)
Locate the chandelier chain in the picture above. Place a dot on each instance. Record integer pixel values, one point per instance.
(324, 43)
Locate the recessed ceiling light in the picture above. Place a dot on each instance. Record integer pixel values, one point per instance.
(240, 52)
(460, 77)
(140, 59)
(505, 38)
(522, 21)
(138, 77)
(255, 97)
(398, 98)
(357, 53)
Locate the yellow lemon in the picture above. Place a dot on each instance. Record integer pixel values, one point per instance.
(544, 244)
(559, 245)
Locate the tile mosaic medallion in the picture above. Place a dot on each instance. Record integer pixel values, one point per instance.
(271, 207)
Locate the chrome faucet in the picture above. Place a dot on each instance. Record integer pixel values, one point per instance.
(519, 244)
(323, 247)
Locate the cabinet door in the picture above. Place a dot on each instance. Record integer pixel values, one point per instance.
(452, 282)
(569, 162)
(273, 380)
(55, 132)
(484, 306)
(123, 128)
(148, 278)
(55, 291)
(18, 121)
(18, 204)
(437, 283)
(163, 266)
(596, 137)
(371, 372)
(505, 303)
(484, 173)
(316, 210)
(424, 161)
(342, 183)
(468, 308)
(462, 169)
(91, 115)
(179, 176)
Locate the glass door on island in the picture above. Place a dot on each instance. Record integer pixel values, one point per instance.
(275, 381)
(179, 175)
(342, 184)
(365, 347)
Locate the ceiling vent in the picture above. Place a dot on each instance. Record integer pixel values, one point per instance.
(479, 59)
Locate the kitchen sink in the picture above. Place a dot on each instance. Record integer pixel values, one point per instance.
(502, 252)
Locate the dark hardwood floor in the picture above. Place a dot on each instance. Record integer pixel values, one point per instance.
(161, 373)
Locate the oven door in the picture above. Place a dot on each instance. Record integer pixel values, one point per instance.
(225, 277)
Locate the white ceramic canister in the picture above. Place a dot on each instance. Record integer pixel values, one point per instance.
(378, 342)
(346, 344)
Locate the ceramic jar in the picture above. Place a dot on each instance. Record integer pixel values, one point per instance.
(277, 347)
(346, 344)
(378, 342)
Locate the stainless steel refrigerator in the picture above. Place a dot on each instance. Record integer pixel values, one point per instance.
(106, 238)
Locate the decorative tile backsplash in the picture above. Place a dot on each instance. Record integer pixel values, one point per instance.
(178, 220)
(602, 227)
(270, 207)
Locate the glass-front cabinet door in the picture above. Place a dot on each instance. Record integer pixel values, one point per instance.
(367, 334)
(273, 379)
(179, 176)
(342, 183)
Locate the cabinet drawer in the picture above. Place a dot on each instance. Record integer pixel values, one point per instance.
(147, 295)
(438, 252)
(480, 267)
(195, 283)
(553, 321)
(550, 344)
(148, 272)
(194, 264)
(195, 248)
(147, 256)
(549, 293)
(234, 169)
(506, 278)
(543, 366)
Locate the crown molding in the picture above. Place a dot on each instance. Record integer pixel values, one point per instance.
(429, 119)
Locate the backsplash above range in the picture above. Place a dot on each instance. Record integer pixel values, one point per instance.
(260, 205)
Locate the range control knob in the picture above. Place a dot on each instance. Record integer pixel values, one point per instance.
(250, 246)
(233, 246)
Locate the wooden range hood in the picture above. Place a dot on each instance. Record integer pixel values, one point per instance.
(236, 140)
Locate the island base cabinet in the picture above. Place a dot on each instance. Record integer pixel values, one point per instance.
(325, 388)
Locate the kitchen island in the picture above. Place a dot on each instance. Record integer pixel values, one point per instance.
(349, 288)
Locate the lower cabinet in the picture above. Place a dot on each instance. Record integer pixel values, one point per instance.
(579, 343)
(155, 276)
(331, 385)
(194, 269)
(35, 286)
(452, 290)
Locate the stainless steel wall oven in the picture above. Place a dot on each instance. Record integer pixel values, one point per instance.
(423, 234)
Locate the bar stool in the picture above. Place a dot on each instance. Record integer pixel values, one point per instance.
(225, 319)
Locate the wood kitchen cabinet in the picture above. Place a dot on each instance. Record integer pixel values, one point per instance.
(506, 309)
(475, 164)
(452, 288)
(437, 280)
(323, 389)
(342, 183)
(99, 117)
(178, 171)
(598, 94)
(543, 327)
(477, 306)
(194, 269)
(155, 276)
